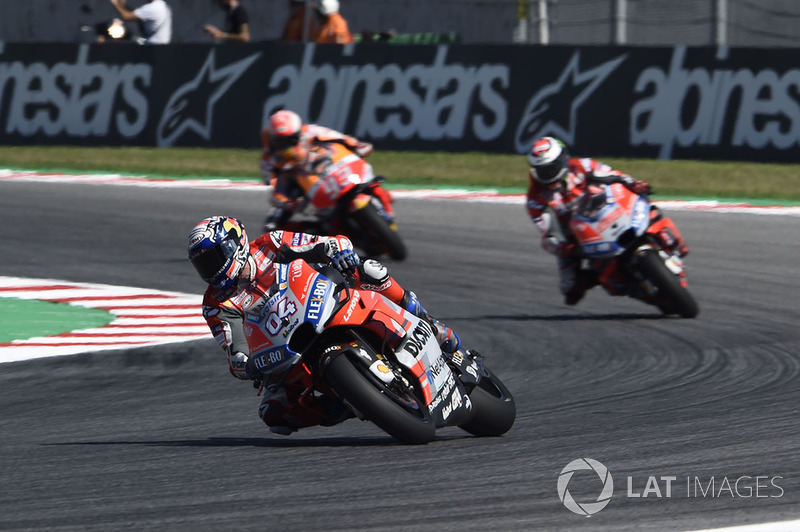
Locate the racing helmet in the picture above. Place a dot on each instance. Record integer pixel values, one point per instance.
(218, 250)
(328, 7)
(548, 160)
(284, 138)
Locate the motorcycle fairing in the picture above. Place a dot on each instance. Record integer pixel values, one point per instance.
(415, 348)
(307, 296)
(604, 230)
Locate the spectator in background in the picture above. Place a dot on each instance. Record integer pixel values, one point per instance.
(333, 26)
(293, 28)
(237, 27)
(155, 16)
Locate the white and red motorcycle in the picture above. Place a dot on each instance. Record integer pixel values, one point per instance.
(328, 341)
(637, 251)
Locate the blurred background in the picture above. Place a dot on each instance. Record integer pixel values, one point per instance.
(762, 23)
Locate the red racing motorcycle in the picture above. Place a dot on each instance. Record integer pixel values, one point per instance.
(636, 250)
(328, 342)
(343, 196)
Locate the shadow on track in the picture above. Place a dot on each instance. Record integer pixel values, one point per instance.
(563, 317)
(260, 442)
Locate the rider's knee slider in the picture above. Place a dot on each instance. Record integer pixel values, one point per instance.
(373, 272)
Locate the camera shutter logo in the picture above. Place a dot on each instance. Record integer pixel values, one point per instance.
(587, 508)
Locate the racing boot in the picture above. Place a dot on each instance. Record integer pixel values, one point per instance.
(372, 275)
(448, 340)
(584, 280)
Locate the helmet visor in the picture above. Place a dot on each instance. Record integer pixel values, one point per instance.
(212, 262)
(550, 173)
(284, 142)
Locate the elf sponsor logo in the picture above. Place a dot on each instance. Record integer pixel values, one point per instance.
(433, 101)
(77, 99)
(683, 107)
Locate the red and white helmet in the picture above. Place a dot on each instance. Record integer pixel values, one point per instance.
(328, 7)
(284, 137)
(548, 160)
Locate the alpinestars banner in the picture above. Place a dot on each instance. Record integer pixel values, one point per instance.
(637, 102)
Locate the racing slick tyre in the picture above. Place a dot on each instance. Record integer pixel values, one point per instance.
(672, 297)
(384, 235)
(494, 407)
(397, 411)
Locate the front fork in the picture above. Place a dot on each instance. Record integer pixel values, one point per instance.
(666, 233)
(377, 195)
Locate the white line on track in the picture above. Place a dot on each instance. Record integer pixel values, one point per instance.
(780, 526)
(178, 315)
(453, 194)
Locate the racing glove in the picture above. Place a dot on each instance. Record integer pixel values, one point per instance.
(565, 250)
(363, 149)
(340, 252)
(237, 365)
(642, 188)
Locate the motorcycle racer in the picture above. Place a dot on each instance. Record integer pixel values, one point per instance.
(557, 182)
(241, 277)
(287, 142)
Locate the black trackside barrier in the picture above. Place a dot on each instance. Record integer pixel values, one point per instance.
(607, 101)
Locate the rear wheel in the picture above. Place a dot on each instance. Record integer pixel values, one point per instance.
(672, 297)
(394, 408)
(494, 407)
(384, 235)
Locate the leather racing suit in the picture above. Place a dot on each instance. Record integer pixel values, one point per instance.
(551, 206)
(224, 310)
(289, 180)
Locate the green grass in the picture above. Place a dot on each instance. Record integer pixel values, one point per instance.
(716, 179)
(24, 318)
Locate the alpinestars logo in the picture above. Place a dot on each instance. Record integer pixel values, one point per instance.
(553, 110)
(191, 107)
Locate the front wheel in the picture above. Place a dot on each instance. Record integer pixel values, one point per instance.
(384, 236)
(395, 409)
(672, 297)
(494, 408)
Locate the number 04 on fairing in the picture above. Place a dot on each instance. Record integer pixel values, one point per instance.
(382, 361)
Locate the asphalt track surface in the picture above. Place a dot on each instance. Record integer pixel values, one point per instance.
(165, 439)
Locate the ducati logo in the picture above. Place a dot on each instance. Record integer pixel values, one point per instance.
(553, 110)
(191, 106)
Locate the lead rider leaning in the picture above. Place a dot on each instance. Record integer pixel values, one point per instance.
(241, 275)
